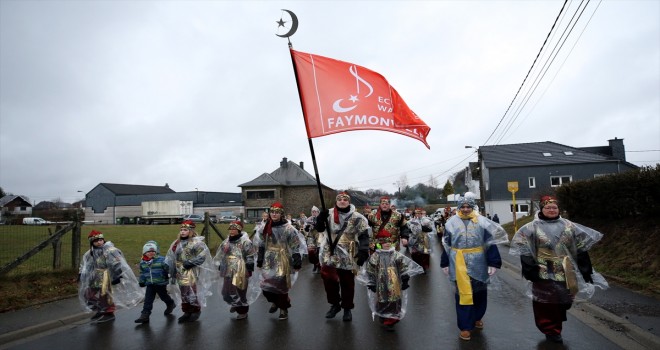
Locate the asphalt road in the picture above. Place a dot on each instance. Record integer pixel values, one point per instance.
(430, 323)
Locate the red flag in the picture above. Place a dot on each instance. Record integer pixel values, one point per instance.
(339, 96)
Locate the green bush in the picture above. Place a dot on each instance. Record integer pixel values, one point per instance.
(630, 194)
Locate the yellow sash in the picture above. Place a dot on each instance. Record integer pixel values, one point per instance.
(239, 279)
(567, 265)
(187, 277)
(106, 286)
(283, 266)
(571, 278)
(394, 277)
(462, 278)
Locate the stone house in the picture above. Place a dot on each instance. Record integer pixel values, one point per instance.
(290, 185)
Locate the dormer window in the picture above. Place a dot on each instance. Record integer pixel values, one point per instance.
(547, 154)
(568, 153)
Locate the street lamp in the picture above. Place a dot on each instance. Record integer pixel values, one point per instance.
(80, 205)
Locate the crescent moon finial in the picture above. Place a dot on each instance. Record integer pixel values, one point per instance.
(294, 24)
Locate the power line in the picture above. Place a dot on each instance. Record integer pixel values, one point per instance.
(560, 67)
(546, 66)
(530, 69)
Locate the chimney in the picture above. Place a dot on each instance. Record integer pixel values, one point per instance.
(284, 163)
(617, 148)
(302, 165)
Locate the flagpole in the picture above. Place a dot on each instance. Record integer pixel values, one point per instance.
(294, 26)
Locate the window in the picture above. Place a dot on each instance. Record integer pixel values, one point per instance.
(556, 181)
(255, 213)
(532, 182)
(520, 208)
(599, 175)
(547, 154)
(264, 194)
(568, 153)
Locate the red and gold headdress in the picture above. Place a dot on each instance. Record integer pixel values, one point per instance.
(189, 224)
(94, 235)
(384, 236)
(545, 200)
(236, 225)
(343, 195)
(277, 208)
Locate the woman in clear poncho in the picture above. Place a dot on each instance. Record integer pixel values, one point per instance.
(386, 275)
(235, 261)
(471, 258)
(280, 250)
(419, 241)
(191, 270)
(106, 280)
(554, 258)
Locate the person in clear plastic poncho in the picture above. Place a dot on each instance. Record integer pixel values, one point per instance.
(191, 270)
(554, 258)
(343, 247)
(312, 240)
(280, 251)
(235, 261)
(106, 280)
(471, 259)
(386, 275)
(419, 243)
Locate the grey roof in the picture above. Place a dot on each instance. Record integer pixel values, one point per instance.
(531, 154)
(7, 199)
(262, 180)
(288, 174)
(123, 189)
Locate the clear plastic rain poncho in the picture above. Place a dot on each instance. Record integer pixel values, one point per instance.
(276, 273)
(554, 246)
(384, 271)
(311, 235)
(352, 225)
(192, 285)
(418, 240)
(237, 287)
(479, 235)
(98, 269)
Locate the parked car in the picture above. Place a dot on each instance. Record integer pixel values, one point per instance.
(194, 217)
(227, 219)
(35, 221)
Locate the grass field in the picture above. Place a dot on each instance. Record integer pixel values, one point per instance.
(35, 280)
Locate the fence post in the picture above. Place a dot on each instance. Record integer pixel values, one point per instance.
(57, 249)
(75, 244)
(205, 230)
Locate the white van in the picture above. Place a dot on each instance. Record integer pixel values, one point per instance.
(35, 221)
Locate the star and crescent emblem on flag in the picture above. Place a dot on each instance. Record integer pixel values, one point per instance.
(338, 96)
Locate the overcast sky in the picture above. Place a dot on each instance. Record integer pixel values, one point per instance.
(202, 95)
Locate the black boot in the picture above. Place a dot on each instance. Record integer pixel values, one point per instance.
(144, 318)
(169, 309)
(273, 308)
(555, 338)
(334, 309)
(184, 318)
(347, 315)
(194, 316)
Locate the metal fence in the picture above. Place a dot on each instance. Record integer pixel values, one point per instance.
(28, 249)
